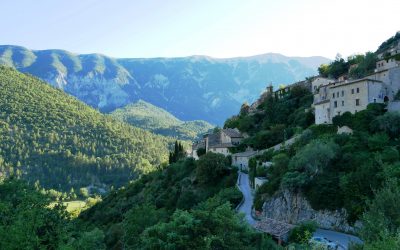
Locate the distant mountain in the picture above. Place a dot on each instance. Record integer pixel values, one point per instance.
(51, 137)
(147, 116)
(191, 88)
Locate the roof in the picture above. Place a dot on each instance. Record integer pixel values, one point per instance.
(235, 133)
(275, 228)
(214, 140)
(355, 81)
(199, 144)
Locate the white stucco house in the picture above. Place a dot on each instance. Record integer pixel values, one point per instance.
(346, 95)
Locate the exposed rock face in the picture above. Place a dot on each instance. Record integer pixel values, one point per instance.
(293, 208)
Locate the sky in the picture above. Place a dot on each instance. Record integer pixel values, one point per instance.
(217, 28)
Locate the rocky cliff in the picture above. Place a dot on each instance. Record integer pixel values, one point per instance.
(293, 208)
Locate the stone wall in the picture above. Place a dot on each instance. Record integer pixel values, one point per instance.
(294, 208)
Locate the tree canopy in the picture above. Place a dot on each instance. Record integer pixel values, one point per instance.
(50, 138)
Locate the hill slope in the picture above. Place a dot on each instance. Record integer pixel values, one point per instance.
(191, 88)
(147, 116)
(49, 136)
(174, 202)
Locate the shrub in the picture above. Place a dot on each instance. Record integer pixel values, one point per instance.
(303, 232)
(388, 123)
(321, 129)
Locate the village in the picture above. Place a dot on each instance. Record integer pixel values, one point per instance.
(331, 98)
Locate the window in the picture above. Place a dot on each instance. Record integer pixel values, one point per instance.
(342, 103)
(358, 90)
(352, 91)
(357, 102)
(335, 104)
(333, 95)
(337, 94)
(342, 92)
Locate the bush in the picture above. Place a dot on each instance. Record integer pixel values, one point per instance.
(314, 157)
(388, 123)
(303, 232)
(321, 129)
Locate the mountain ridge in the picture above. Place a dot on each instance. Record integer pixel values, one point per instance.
(190, 88)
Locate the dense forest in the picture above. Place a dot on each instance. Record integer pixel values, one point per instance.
(187, 205)
(147, 116)
(49, 138)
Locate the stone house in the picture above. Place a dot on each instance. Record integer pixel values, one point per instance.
(241, 160)
(319, 81)
(335, 98)
(218, 142)
(221, 141)
(195, 146)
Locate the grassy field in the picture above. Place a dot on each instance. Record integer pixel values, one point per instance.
(74, 205)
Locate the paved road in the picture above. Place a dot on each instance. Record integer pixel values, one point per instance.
(245, 208)
(342, 239)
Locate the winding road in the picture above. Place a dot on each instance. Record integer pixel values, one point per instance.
(343, 240)
(246, 206)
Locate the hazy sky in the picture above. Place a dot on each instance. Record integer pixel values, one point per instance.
(218, 28)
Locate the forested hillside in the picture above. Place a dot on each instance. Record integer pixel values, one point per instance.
(147, 116)
(50, 137)
(188, 205)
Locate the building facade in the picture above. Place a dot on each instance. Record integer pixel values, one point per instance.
(332, 98)
(241, 160)
(218, 142)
